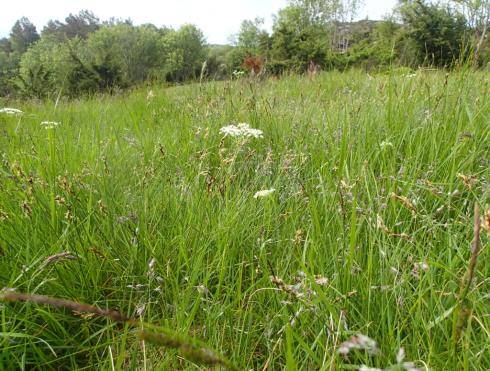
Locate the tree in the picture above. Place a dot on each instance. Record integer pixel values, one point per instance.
(185, 53)
(22, 35)
(311, 31)
(326, 11)
(5, 45)
(477, 13)
(136, 51)
(81, 25)
(8, 66)
(437, 32)
(297, 40)
(42, 68)
(252, 37)
(217, 61)
(252, 40)
(51, 67)
(54, 30)
(76, 25)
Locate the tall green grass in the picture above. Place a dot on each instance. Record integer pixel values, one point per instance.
(368, 231)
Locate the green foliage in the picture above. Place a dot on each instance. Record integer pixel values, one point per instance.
(185, 53)
(35, 82)
(22, 35)
(373, 46)
(115, 55)
(251, 41)
(43, 68)
(437, 33)
(82, 55)
(80, 25)
(51, 67)
(217, 62)
(136, 51)
(296, 42)
(8, 70)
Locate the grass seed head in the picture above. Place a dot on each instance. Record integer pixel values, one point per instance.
(61, 256)
(3, 215)
(469, 181)
(486, 221)
(26, 208)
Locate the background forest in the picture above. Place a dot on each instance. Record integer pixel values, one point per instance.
(84, 55)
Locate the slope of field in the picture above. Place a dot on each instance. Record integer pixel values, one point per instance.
(138, 203)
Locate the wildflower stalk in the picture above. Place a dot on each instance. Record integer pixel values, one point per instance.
(52, 201)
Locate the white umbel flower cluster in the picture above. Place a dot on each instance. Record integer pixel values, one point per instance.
(49, 124)
(11, 111)
(385, 144)
(241, 130)
(264, 193)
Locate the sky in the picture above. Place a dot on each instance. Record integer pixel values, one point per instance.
(218, 19)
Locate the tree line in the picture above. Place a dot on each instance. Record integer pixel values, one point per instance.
(83, 55)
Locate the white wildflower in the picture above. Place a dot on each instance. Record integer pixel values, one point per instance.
(359, 342)
(49, 124)
(410, 366)
(7, 289)
(367, 368)
(400, 356)
(203, 290)
(241, 130)
(151, 268)
(10, 111)
(140, 310)
(264, 193)
(384, 144)
(322, 281)
(150, 95)
(238, 73)
(407, 366)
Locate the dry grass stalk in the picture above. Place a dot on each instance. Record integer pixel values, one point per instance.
(486, 221)
(3, 215)
(469, 181)
(66, 255)
(405, 202)
(190, 348)
(192, 351)
(62, 303)
(381, 225)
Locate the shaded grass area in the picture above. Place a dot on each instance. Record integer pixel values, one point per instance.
(369, 228)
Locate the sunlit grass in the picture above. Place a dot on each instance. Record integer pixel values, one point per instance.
(138, 203)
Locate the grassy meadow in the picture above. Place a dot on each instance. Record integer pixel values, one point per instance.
(138, 203)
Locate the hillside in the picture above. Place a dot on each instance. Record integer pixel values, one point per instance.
(333, 231)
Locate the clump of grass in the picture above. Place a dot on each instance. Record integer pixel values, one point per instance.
(190, 348)
(364, 189)
(463, 308)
